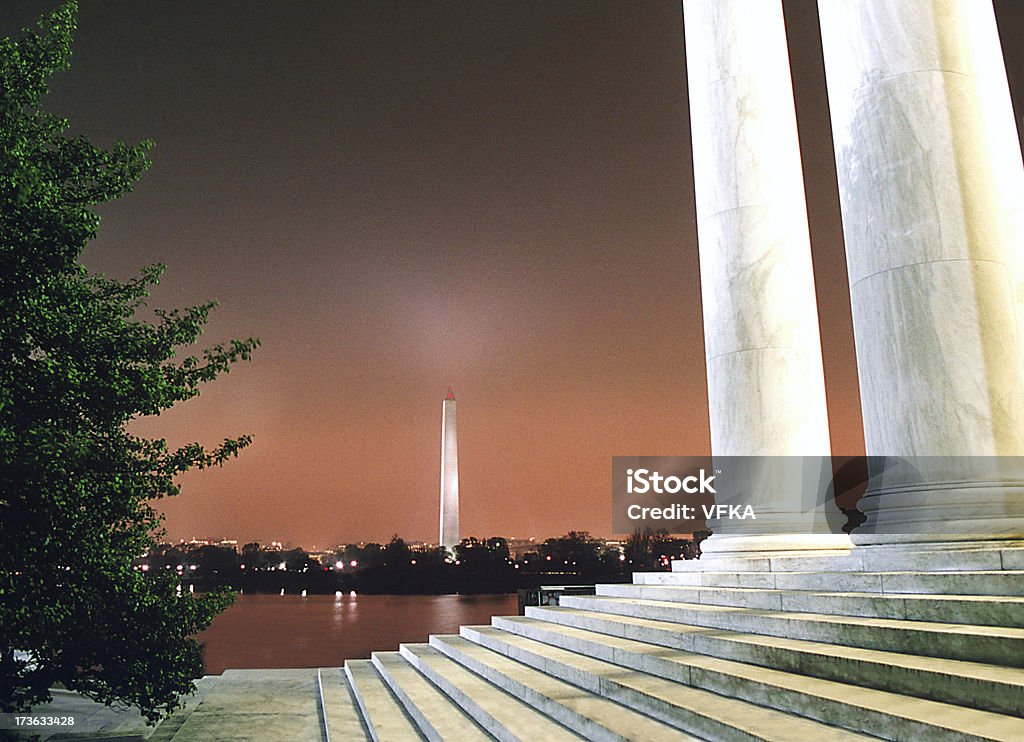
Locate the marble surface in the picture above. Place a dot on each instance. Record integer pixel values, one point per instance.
(435, 714)
(384, 717)
(926, 186)
(565, 650)
(757, 284)
(932, 193)
(501, 714)
(766, 393)
(977, 686)
(341, 711)
(257, 704)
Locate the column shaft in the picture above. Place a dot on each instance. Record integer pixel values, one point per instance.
(931, 185)
(765, 379)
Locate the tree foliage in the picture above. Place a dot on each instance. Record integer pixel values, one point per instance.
(76, 365)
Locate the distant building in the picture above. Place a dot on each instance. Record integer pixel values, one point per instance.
(517, 547)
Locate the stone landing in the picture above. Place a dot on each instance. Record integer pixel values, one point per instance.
(875, 643)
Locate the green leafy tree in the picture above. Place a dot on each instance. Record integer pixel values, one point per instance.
(76, 365)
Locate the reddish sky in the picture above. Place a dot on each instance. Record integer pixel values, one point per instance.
(398, 197)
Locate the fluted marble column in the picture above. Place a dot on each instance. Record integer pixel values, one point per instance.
(931, 186)
(765, 380)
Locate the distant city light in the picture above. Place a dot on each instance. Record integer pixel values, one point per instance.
(412, 562)
(353, 563)
(145, 567)
(339, 565)
(283, 567)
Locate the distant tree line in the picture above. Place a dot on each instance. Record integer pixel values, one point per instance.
(473, 566)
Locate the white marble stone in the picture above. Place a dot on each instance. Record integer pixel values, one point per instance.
(865, 710)
(985, 644)
(436, 715)
(761, 331)
(971, 685)
(932, 194)
(757, 283)
(504, 716)
(342, 716)
(383, 715)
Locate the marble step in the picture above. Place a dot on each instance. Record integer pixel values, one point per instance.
(257, 704)
(342, 717)
(987, 644)
(882, 714)
(436, 715)
(698, 712)
(503, 716)
(583, 711)
(993, 582)
(966, 609)
(1009, 556)
(385, 718)
(977, 685)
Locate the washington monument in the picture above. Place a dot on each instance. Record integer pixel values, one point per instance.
(449, 474)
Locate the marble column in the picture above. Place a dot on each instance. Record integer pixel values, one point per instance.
(765, 380)
(931, 185)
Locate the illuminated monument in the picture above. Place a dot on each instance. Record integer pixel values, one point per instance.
(449, 474)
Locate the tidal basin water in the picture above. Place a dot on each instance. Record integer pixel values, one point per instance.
(325, 630)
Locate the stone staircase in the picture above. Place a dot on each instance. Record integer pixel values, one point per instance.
(874, 643)
(880, 642)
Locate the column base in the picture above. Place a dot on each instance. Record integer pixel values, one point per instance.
(947, 556)
(731, 546)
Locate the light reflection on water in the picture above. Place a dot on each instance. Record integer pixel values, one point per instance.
(325, 630)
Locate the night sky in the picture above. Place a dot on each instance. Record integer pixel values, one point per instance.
(398, 197)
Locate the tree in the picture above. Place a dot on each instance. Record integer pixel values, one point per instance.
(639, 546)
(397, 554)
(213, 560)
(76, 365)
(576, 550)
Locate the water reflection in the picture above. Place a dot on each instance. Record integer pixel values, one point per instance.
(325, 630)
